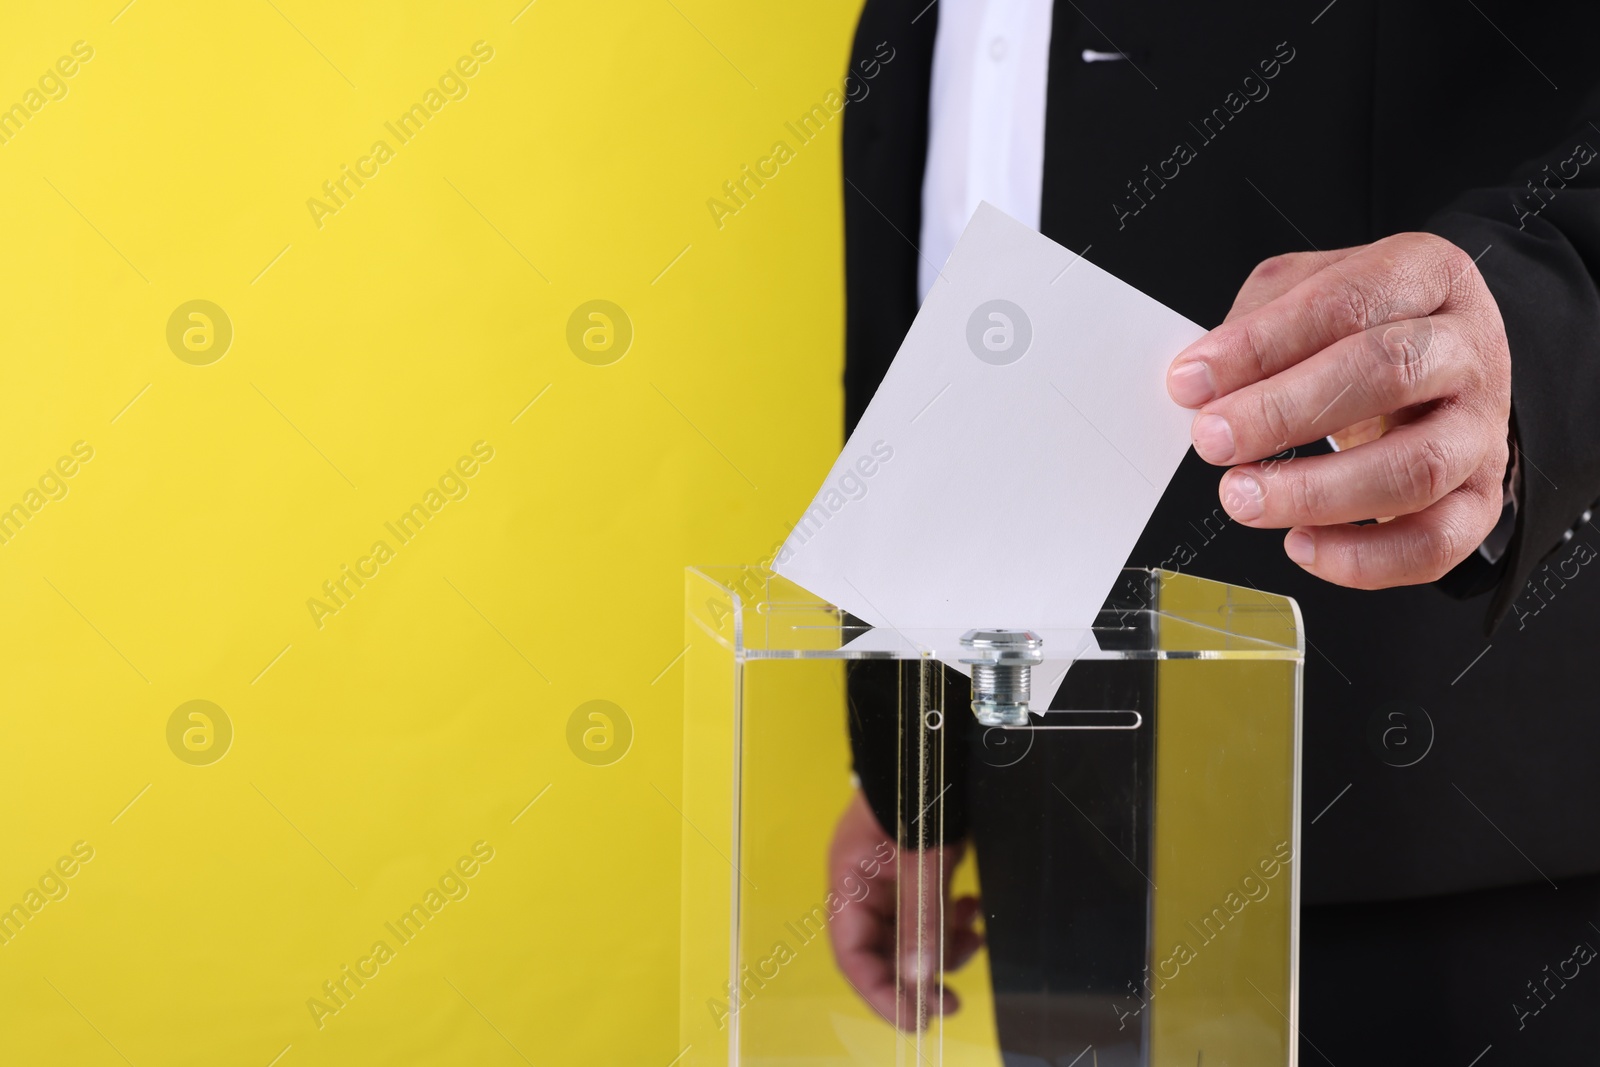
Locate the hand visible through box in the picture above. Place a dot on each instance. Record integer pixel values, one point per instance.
(870, 934)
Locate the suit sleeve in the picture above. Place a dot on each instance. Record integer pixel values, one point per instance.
(1538, 243)
(885, 145)
(915, 781)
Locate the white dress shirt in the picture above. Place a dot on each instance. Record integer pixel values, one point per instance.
(991, 59)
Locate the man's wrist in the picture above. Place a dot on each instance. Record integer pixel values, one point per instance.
(1494, 546)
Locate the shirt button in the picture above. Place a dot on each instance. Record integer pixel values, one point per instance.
(997, 49)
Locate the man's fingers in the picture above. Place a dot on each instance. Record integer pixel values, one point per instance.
(1416, 548)
(1192, 381)
(1371, 373)
(1400, 336)
(863, 944)
(1402, 472)
(1276, 276)
(1406, 276)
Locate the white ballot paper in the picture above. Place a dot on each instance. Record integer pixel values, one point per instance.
(1009, 461)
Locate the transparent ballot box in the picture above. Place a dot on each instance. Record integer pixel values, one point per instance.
(872, 875)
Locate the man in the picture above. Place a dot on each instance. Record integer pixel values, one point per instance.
(1393, 211)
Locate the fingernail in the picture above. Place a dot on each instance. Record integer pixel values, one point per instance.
(1190, 383)
(1213, 438)
(1301, 548)
(1243, 497)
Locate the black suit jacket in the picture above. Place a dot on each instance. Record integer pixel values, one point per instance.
(1476, 121)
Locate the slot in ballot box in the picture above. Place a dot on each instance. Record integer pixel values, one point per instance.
(1133, 847)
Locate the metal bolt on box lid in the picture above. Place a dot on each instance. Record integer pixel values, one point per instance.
(1002, 673)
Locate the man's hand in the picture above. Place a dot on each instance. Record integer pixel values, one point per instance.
(1399, 343)
(864, 933)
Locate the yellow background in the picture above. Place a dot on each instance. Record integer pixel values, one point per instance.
(368, 354)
